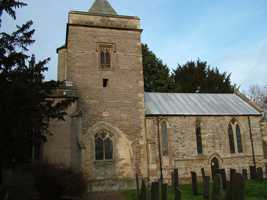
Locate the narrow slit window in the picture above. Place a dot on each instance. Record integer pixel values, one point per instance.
(164, 132)
(231, 139)
(199, 139)
(239, 139)
(105, 82)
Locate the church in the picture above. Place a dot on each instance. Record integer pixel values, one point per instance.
(115, 131)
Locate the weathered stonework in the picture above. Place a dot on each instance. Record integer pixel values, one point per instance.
(117, 109)
(183, 148)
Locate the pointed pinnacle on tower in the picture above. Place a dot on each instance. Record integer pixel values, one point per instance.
(102, 7)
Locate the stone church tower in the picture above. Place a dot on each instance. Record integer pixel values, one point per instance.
(102, 61)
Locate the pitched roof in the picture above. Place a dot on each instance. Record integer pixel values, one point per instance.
(102, 7)
(197, 104)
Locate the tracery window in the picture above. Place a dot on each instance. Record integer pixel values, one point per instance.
(164, 136)
(199, 138)
(103, 146)
(235, 137)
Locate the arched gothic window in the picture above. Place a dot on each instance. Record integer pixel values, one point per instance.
(103, 147)
(199, 138)
(231, 138)
(239, 139)
(105, 57)
(164, 136)
(235, 137)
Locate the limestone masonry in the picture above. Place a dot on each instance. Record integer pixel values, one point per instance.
(115, 130)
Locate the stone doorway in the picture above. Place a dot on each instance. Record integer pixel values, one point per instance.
(214, 166)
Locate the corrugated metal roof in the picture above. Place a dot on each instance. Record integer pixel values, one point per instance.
(196, 104)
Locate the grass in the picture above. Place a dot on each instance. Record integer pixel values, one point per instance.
(255, 190)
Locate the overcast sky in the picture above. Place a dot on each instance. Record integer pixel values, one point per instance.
(228, 34)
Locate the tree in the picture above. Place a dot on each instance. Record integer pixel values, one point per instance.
(156, 74)
(258, 94)
(25, 106)
(198, 77)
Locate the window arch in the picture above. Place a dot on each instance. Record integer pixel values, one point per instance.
(105, 56)
(235, 137)
(231, 138)
(164, 136)
(103, 146)
(199, 137)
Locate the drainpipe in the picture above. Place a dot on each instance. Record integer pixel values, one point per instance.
(160, 158)
(251, 140)
(147, 153)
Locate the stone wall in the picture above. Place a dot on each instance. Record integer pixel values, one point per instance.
(183, 148)
(62, 143)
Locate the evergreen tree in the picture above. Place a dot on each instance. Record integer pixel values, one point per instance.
(156, 74)
(198, 77)
(25, 106)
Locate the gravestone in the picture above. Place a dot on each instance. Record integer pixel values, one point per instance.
(260, 173)
(143, 194)
(253, 172)
(216, 188)
(232, 172)
(137, 186)
(203, 173)
(177, 194)
(164, 192)
(206, 187)
(238, 187)
(176, 178)
(155, 191)
(172, 177)
(224, 180)
(194, 183)
(245, 174)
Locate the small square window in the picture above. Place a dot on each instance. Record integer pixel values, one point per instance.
(105, 82)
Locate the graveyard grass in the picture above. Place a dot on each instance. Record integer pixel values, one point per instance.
(255, 190)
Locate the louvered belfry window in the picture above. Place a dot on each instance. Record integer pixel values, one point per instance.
(105, 57)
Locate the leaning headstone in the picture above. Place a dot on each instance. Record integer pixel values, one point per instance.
(206, 187)
(224, 180)
(245, 174)
(216, 188)
(238, 187)
(143, 191)
(155, 191)
(164, 192)
(253, 172)
(194, 183)
(260, 173)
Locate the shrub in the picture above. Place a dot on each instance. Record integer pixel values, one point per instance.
(54, 181)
